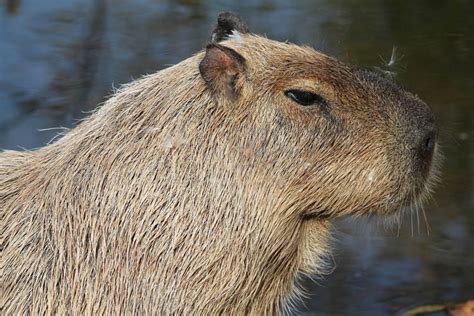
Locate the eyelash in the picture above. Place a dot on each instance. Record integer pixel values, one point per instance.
(305, 98)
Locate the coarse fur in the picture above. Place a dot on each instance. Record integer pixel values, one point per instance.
(175, 197)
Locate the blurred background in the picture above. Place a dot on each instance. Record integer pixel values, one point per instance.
(59, 59)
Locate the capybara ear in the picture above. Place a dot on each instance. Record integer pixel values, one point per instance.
(221, 69)
(227, 22)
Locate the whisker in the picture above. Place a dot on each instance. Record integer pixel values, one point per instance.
(399, 221)
(417, 208)
(428, 228)
(418, 220)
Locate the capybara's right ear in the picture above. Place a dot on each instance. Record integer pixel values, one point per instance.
(222, 68)
(228, 23)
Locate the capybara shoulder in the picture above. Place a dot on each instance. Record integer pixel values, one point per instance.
(207, 187)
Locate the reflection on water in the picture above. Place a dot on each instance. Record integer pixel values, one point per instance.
(59, 59)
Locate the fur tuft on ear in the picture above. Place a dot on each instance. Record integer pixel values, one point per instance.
(220, 68)
(227, 23)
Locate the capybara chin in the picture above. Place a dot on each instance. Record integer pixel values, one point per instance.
(207, 187)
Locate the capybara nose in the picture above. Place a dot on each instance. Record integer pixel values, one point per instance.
(427, 144)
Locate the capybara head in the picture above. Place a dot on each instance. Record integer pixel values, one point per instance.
(207, 187)
(338, 140)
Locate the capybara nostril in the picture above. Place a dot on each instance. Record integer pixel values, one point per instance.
(427, 145)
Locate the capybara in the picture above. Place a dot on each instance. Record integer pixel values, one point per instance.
(208, 187)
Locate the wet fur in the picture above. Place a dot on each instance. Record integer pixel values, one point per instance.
(169, 199)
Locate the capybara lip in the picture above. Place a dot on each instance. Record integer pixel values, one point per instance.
(315, 215)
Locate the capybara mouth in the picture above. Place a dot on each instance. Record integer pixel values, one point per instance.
(430, 174)
(321, 215)
(422, 186)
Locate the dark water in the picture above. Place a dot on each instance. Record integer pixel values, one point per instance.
(59, 59)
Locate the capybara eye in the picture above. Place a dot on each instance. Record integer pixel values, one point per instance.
(305, 97)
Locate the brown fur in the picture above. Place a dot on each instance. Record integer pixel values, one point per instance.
(173, 198)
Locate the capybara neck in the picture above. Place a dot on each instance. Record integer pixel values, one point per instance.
(134, 195)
